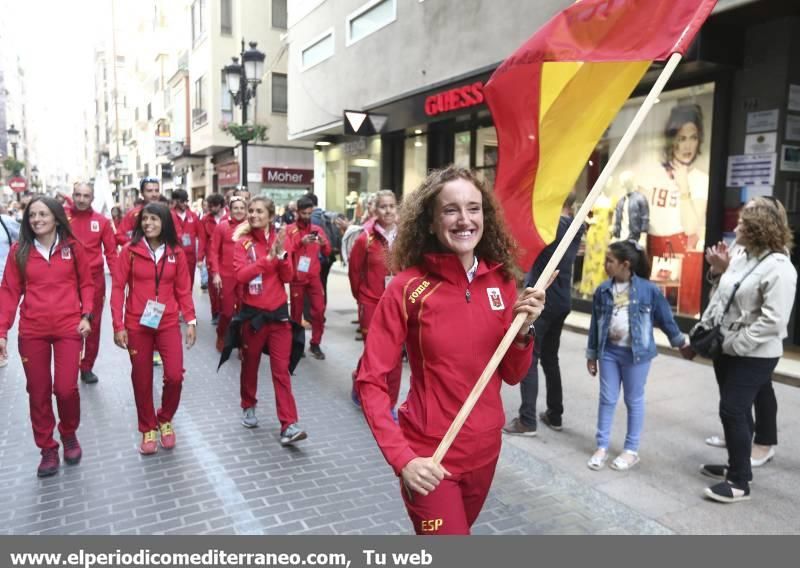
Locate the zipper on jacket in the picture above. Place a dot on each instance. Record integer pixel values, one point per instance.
(468, 295)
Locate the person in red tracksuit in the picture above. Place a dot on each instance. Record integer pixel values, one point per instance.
(451, 302)
(153, 269)
(210, 221)
(48, 269)
(149, 189)
(94, 231)
(263, 268)
(221, 273)
(191, 233)
(307, 241)
(369, 275)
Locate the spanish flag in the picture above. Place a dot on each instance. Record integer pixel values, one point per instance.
(556, 95)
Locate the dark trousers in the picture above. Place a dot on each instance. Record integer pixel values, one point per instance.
(545, 349)
(765, 425)
(741, 379)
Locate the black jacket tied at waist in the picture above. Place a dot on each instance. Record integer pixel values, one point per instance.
(257, 319)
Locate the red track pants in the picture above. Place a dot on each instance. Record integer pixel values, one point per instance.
(191, 264)
(278, 336)
(313, 287)
(393, 379)
(214, 296)
(453, 506)
(36, 354)
(230, 300)
(141, 344)
(93, 341)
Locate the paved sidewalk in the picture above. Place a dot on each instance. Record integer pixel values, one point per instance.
(225, 479)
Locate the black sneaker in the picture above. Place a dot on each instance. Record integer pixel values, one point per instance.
(215, 320)
(550, 421)
(714, 471)
(317, 352)
(728, 492)
(89, 377)
(517, 428)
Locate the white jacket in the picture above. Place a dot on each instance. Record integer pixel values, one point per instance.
(755, 324)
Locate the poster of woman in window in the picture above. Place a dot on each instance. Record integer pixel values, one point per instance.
(669, 164)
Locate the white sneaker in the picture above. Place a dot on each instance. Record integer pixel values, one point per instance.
(598, 459)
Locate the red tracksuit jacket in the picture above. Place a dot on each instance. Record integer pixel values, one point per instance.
(451, 329)
(190, 227)
(368, 266)
(294, 234)
(128, 225)
(54, 294)
(210, 224)
(220, 249)
(250, 260)
(137, 271)
(94, 231)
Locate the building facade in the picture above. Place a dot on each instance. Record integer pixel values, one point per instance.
(417, 71)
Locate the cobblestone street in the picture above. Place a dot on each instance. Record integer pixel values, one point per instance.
(223, 478)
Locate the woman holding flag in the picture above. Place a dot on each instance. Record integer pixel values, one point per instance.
(451, 302)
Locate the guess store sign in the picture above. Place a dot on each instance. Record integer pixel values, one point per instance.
(454, 99)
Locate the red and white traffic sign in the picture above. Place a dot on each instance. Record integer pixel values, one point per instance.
(18, 184)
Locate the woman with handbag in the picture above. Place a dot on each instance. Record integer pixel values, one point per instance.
(744, 325)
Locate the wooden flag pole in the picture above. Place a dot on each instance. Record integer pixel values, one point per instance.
(580, 216)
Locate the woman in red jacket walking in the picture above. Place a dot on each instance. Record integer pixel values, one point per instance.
(263, 268)
(369, 274)
(220, 267)
(154, 270)
(453, 299)
(49, 270)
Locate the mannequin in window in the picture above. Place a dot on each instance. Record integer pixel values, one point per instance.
(632, 213)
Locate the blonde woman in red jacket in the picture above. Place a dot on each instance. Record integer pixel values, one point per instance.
(263, 268)
(451, 302)
(153, 270)
(369, 274)
(220, 267)
(49, 270)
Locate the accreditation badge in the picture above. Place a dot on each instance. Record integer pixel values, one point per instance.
(153, 312)
(186, 240)
(303, 264)
(495, 299)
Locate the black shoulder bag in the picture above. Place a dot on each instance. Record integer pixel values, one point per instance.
(707, 342)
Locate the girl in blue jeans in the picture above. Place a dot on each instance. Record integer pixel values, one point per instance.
(624, 310)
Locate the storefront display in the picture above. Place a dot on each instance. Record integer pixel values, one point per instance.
(661, 193)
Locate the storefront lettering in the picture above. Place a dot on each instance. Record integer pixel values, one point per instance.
(287, 176)
(454, 99)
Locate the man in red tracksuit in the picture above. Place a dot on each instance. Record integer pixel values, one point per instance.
(95, 232)
(216, 215)
(307, 242)
(150, 191)
(191, 233)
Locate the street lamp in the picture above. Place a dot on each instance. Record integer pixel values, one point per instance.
(13, 139)
(35, 177)
(241, 81)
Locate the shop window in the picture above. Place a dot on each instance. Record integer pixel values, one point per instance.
(368, 19)
(664, 175)
(486, 154)
(462, 144)
(415, 167)
(352, 173)
(318, 50)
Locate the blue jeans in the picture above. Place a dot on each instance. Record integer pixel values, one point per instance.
(617, 368)
(203, 275)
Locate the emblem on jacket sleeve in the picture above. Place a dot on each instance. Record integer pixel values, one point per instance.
(66, 253)
(94, 226)
(495, 299)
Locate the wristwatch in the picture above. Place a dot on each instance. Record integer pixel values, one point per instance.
(88, 317)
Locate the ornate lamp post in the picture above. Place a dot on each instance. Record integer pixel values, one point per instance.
(242, 81)
(13, 139)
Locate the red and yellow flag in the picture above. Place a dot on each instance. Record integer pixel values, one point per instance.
(555, 96)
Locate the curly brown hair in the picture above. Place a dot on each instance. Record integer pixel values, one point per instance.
(765, 226)
(414, 237)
